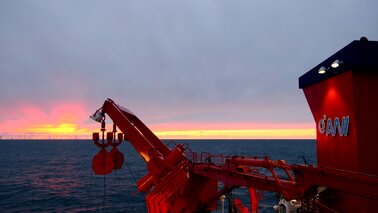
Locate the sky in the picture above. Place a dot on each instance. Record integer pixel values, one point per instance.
(187, 69)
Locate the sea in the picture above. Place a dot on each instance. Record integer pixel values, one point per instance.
(56, 175)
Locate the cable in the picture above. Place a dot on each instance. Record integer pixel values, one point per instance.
(103, 199)
(303, 158)
(131, 172)
(133, 176)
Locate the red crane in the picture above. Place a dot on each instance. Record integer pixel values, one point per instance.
(342, 95)
(178, 181)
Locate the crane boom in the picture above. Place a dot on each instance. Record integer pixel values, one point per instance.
(142, 138)
(178, 183)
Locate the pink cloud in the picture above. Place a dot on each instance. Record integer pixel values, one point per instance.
(23, 118)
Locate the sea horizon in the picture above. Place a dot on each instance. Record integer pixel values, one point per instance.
(56, 175)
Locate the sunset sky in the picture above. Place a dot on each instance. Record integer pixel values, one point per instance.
(188, 69)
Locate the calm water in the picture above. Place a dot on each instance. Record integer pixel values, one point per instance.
(56, 176)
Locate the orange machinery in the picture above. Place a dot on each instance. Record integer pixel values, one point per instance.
(342, 94)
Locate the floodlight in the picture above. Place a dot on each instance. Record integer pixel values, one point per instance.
(322, 70)
(336, 63)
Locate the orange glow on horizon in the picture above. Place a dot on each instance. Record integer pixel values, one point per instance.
(72, 130)
(235, 130)
(57, 129)
(185, 126)
(56, 120)
(239, 134)
(71, 120)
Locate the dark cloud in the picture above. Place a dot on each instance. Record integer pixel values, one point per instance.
(195, 60)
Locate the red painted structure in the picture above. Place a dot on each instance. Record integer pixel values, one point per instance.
(349, 91)
(345, 180)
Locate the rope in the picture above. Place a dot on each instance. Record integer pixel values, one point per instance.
(89, 190)
(103, 199)
(104, 188)
(90, 178)
(303, 158)
(131, 172)
(133, 176)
